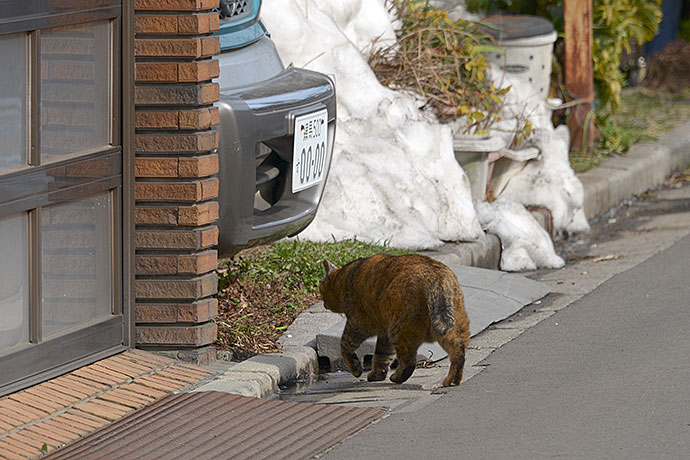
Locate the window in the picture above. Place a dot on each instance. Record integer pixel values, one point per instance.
(75, 89)
(61, 176)
(76, 268)
(13, 102)
(14, 281)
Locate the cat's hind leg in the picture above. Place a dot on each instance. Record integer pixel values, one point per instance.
(407, 360)
(383, 356)
(350, 341)
(454, 345)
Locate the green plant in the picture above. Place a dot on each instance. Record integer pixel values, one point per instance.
(638, 119)
(614, 22)
(616, 137)
(297, 263)
(645, 114)
(684, 30)
(443, 61)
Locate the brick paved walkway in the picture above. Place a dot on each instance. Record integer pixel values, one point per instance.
(62, 410)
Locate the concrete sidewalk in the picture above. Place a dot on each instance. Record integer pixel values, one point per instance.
(646, 166)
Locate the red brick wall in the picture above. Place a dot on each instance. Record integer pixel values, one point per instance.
(176, 185)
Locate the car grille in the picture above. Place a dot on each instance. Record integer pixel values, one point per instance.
(234, 9)
(271, 178)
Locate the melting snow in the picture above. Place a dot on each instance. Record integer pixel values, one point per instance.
(394, 176)
(526, 245)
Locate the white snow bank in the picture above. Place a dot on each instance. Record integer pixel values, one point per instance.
(526, 245)
(393, 176)
(363, 22)
(549, 181)
(457, 9)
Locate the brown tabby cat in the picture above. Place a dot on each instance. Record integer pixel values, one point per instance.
(404, 301)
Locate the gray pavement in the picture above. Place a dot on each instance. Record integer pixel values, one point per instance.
(606, 377)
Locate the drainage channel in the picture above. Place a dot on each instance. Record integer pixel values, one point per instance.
(343, 389)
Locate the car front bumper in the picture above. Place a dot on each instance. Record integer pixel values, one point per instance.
(257, 203)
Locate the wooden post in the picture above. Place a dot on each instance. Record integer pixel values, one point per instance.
(579, 80)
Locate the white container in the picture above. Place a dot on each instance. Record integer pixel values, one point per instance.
(512, 162)
(528, 44)
(476, 155)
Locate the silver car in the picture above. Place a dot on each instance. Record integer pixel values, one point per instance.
(277, 128)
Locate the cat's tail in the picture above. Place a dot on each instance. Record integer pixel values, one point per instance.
(441, 311)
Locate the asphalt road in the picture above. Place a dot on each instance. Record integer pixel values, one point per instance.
(608, 377)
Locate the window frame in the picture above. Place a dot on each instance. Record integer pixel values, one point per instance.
(31, 187)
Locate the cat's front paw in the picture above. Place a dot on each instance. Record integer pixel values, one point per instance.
(354, 364)
(356, 371)
(402, 374)
(377, 375)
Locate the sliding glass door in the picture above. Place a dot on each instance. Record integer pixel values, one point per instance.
(61, 178)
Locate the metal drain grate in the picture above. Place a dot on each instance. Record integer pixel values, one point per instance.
(214, 425)
(230, 9)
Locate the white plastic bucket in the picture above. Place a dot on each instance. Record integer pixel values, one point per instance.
(526, 56)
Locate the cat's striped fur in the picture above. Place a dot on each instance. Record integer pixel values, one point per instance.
(403, 301)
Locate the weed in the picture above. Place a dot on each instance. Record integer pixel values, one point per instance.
(643, 115)
(618, 137)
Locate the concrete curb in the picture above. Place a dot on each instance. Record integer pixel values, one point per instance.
(644, 167)
(260, 375)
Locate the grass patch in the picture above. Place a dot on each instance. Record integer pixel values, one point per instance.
(262, 290)
(583, 161)
(644, 115)
(649, 114)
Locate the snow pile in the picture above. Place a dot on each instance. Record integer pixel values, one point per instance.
(546, 182)
(526, 246)
(549, 182)
(393, 176)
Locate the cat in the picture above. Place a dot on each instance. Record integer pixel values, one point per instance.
(403, 301)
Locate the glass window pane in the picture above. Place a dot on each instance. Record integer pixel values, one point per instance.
(76, 243)
(14, 280)
(75, 89)
(13, 101)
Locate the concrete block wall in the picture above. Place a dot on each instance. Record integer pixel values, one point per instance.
(176, 188)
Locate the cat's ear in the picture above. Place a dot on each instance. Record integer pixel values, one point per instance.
(330, 268)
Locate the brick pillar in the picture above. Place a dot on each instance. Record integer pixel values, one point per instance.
(176, 185)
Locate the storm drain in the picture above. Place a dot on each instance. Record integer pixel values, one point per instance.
(215, 425)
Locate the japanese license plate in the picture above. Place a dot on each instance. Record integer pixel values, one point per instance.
(309, 150)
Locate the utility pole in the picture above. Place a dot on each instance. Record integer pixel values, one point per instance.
(579, 77)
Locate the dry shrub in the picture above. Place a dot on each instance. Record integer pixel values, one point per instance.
(443, 62)
(669, 70)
